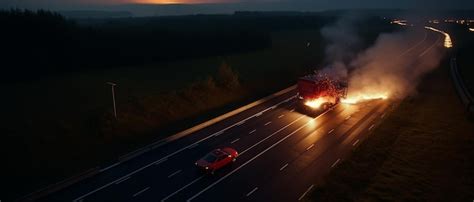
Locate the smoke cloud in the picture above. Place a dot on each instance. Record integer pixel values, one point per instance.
(342, 41)
(392, 67)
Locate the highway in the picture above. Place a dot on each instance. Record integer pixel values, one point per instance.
(284, 152)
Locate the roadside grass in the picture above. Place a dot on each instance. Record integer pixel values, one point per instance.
(464, 44)
(423, 151)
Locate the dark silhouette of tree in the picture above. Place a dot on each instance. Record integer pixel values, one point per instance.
(40, 43)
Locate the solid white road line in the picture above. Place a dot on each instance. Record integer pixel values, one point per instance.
(143, 190)
(268, 123)
(173, 174)
(355, 142)
(219, 133)
(283, 167)
(281, 116)
(192, 146)
(184, 187)
(310, 146)
(332, 130)
(335, 163)
(234, 141)
(428, 49)
(306, 192)
(371, 127)
(240, 123)
(251, 192)
(177, 151)
(419, 43)
(161, 161)
(109, 167)
(122, 180)
(292, 110)
(253, 131)
(258, 155)
(243, 152)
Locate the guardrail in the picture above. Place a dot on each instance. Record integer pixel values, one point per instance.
(94, 171)
(463, 91)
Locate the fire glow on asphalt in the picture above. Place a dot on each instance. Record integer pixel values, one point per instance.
(317, 103)
(364, 97)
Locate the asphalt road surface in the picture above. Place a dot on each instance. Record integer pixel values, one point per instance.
(283, 152)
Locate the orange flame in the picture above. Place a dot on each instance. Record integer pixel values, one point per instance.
(317, 103)
(364, 97)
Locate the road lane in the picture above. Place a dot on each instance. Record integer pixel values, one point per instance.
(186, 157)
(291, 151)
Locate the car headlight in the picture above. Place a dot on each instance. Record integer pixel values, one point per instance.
(196, 163)
(207, 167)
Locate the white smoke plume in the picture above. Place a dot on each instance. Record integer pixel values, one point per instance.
(392, 67)
(342, 40)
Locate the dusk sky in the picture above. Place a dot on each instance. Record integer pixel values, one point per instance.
(228, 6)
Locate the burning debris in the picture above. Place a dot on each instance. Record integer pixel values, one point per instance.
(321, 91)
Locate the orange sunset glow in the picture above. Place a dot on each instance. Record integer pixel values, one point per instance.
(180, 1)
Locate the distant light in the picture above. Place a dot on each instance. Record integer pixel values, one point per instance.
(447, 39)
(399, 22)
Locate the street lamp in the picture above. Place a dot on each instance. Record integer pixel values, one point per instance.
(113, 97)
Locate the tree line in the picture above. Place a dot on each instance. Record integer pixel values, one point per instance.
(38, 43)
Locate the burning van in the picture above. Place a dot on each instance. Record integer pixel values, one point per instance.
(319, 92)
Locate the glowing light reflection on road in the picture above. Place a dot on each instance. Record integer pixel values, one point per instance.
(447, 39)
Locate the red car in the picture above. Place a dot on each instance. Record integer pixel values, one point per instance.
(217, 159)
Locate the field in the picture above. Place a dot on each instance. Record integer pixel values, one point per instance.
(422, 152)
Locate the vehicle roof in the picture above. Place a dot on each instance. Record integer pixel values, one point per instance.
(313, 78)
(218, 152)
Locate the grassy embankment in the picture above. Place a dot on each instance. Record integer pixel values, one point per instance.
(464, 42)
(422, 152)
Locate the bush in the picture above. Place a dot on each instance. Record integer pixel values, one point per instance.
(227, 77)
